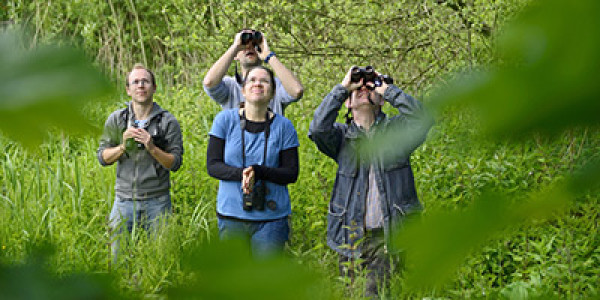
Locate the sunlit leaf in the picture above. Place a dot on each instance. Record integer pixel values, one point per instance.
(45, 87)
(437, 244)
(548, 82)
(32, 281)
(226, 270)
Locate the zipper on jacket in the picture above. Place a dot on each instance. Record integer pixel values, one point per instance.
(135, 174)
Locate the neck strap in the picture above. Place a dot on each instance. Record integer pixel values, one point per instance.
(243, 128)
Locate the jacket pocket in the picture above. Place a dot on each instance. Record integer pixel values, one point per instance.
(336, 230)
(396, 165)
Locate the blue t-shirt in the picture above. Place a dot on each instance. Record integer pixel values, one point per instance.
(228, 93)
(283, 136)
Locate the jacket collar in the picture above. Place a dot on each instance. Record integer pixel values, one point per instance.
(156, 110)
(354, 131)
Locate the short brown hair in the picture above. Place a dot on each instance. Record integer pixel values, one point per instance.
(271, 76)
(138, 66)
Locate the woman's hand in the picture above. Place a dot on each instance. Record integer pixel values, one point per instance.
(248, 177)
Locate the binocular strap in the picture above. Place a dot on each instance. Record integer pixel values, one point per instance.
(243, 128)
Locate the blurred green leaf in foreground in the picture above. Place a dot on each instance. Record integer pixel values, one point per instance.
(32, 281)
(551, 55)
(226, 270)
(44, 87)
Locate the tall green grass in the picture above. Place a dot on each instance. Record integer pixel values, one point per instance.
(59, 193)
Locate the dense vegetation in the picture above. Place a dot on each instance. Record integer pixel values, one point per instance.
(57, 193)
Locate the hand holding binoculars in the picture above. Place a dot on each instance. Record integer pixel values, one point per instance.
(252, 36)
(368, 74)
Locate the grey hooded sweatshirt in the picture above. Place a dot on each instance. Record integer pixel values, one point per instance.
(139, 175)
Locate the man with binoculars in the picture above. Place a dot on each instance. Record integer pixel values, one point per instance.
(146, 143)
(374, 187)
(250, 48)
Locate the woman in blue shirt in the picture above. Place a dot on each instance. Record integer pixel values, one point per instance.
(254, 154)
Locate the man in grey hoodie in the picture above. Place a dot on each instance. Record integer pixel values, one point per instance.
(145, 141)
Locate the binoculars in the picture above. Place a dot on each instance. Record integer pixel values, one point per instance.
(131, 144)
(157, 138)
(256, 199)
(367, 74)
(251, 36)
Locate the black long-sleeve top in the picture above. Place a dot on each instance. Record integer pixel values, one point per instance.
(286, 173)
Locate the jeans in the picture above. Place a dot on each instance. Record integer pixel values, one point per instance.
(375, 261)
(147, 214)
(267, 238)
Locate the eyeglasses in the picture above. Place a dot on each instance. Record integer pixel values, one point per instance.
(142, 82)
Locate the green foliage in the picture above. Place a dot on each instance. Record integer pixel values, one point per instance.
(33, 281)
(437, 245)
(45, 86)
(60, 193)
(226, 270)
(515, 100)
(546, 82)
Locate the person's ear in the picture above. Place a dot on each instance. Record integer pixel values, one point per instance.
(347, 103)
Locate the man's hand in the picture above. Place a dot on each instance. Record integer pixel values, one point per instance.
(140, 135)
(128, 134)
(348, 84)
(264, 49)
(237, 42)
(381, 89)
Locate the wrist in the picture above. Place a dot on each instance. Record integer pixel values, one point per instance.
(150, 147)
(271, 54)
(258, 172)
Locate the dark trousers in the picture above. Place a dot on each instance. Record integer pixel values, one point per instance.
(374, 260)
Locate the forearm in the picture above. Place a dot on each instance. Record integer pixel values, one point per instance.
(285, 174)
(163, 158)
(290, 83)
(219, 69)
(409, 128)
(112, 154)
(405, 103)
(322, 130)
(215, 164)
(328, 110)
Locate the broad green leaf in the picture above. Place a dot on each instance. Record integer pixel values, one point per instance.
(32, 281)
(226, 270)
(45, 87)
(548, 80)
(437, 244)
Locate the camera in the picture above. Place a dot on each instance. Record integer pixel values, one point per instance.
(367, 74)
(251, 36)
(256, 199)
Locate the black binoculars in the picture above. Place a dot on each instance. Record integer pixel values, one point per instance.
(367, 74)
(131, 144)
(256, 199)
(251, 36)
(157, 139)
